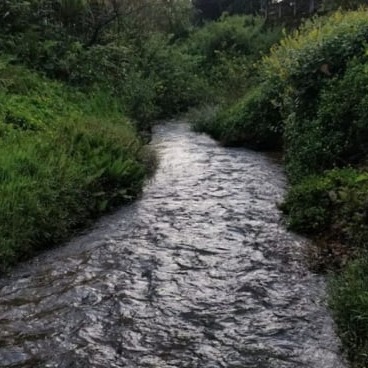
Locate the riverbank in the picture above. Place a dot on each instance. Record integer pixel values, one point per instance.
(310, 101)
(65, 157)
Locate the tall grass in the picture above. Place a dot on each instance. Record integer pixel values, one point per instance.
(64, 157)
(349, 300)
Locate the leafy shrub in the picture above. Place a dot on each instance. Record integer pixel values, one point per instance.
(307, 59)
(338, 135)
(248, 121)
(234, 35)
(173, 73)
(349, 302)
(227, 50)
(64, 157)
(312, 73)
(335, 202)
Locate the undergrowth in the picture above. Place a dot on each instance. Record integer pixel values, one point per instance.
(64, 157)
(309, 97)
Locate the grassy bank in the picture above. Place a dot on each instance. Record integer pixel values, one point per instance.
(309, 98)
(64, 157)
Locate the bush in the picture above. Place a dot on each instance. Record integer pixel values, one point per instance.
(335, 203)
(308, 58)
(227, 50)
(338, 135)
(234, 36)
(64, 157)
(312, 73)
(349, 302)
(248, 122)
(174, 75)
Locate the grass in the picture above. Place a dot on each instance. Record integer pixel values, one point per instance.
(332, 208)
(64, 158)
(349, 302)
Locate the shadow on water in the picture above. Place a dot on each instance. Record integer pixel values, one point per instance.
(199, 273)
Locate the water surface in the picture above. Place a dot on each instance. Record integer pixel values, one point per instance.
(199, 273)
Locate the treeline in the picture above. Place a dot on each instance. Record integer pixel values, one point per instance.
(110, 43)
(213, 9)
(148, 54)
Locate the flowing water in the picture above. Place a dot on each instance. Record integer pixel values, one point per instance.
(199, 273)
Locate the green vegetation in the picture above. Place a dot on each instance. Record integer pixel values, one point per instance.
(64, 157)
(349, 301)
(309, 97)
(227, 50)
(81, 79)
(247, 122)
(307, 66)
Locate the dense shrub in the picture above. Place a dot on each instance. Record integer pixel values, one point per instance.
(235, 35)
(335, 203)
(64, 157)
(338, 134)
(86, 45)
(305, 70)
(308, 58)
(349, 301)
(227, 51)
(247, 122)
(228, 48)
(174, 73)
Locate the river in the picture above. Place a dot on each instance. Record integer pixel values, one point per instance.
(198, 273)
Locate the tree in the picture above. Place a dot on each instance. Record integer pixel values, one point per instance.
(212, 9)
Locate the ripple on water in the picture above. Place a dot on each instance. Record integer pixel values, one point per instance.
(199, 273)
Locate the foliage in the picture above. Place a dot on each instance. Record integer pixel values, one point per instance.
(307, 59)
(235, 35)
(174, 75)
(95, 44)
(338, 135)
(302, 79)
(302, 69)
(228, 48)
(227, 51)
(349, 302)
(64, 157)
(333, 203)
(247, 122)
